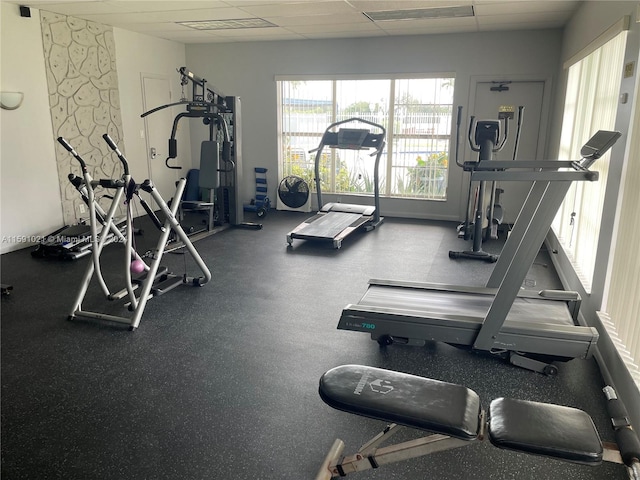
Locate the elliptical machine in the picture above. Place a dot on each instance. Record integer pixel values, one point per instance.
(484, 137)
(155, 280)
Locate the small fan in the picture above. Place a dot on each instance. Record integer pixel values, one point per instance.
(293, 192)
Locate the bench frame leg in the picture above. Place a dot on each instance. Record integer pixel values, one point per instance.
(370, 456)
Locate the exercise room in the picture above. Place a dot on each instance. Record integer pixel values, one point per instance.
(307, 240)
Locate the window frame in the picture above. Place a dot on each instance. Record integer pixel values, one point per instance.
(386, 189)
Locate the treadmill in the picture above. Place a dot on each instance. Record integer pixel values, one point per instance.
(335, 221)
(529, 329)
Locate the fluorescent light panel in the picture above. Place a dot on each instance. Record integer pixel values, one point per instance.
(228, 24)
(421, 13)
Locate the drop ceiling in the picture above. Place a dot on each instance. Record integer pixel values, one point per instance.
(267, 20)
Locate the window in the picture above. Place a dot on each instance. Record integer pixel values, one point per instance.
(590, 105)
(621, 307)
(416, 112)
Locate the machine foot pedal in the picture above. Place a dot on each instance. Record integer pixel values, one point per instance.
(162, 272)
(166, 285)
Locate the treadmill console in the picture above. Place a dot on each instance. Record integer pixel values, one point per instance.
(598, 145)
(352, 139)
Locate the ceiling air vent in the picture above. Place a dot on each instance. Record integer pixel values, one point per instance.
(228, 24)
(421, 13)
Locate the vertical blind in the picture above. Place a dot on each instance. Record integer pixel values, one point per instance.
(590, 105)
(622, 292)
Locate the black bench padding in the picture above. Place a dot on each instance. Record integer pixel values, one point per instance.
(404, 399)
(544, 429)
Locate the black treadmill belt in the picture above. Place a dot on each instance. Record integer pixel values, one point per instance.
(436, 303)
(329, 225)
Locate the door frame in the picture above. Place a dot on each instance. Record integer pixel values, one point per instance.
(155, 76)
(161, 180)
(545, 110)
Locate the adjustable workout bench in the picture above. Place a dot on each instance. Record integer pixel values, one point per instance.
(454, 415)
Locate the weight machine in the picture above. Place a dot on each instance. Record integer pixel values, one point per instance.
(155, 280)
(220, 168)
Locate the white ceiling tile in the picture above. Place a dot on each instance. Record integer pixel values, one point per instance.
(430, 23)
(327, 19)
(170, 16)
(158, 27)
(299, 9)
(77, 8)
(523, 8)
(338, 35)
(245, 3)
(514, 19)
(190, 39)
(334, 28)
(432, 30)
(165, 6)
(380, 5)
(516, 27)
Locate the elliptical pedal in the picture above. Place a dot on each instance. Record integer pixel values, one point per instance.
(161, 275)
(167, 284)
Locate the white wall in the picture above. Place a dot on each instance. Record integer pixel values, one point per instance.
(587, 24)
(31, 201)
(150, 56)
(248, 70)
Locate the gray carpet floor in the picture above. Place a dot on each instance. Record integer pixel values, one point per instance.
(221, 382)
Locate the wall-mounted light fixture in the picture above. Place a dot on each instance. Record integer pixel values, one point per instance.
(11, 100)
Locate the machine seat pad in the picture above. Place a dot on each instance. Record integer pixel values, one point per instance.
(408, 400)
(556, 431)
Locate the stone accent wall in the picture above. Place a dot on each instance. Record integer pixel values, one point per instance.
(83, 95)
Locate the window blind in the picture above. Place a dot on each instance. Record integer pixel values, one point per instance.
(416, 112)
(590, 105)
(622, 291)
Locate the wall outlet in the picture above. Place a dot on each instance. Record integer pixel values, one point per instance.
(82, 208)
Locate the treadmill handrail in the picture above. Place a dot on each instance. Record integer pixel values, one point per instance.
(354, 119)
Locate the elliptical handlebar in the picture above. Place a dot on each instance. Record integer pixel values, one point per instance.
(501, 144)
(472, 124)
(75, 154)
(458, 123)
(518, 129)
(114, 147)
